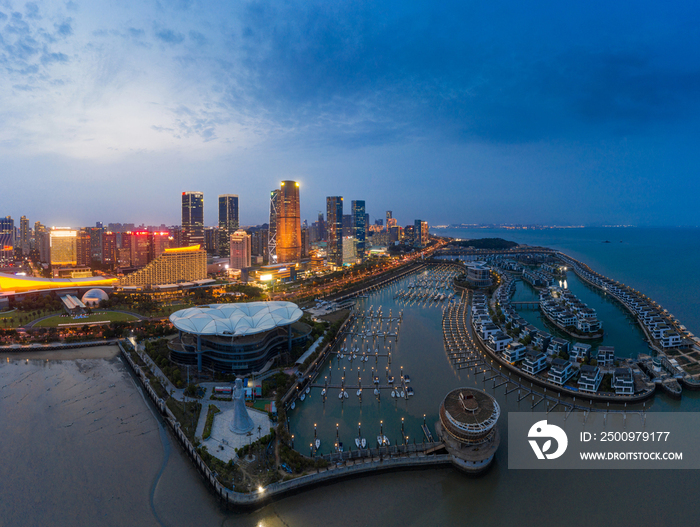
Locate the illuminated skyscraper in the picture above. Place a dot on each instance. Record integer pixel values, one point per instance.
(228, 221)
(359, 227)
(289, 223)
(7, 238)
(24, 235)
(334, 229)
(63, 247)
(240, 250)
(420, 233)
(96, 243)
(82, 248)
(193, 218)
(272, 233)
(109, 248)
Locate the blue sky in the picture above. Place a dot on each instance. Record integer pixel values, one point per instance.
(544, 112)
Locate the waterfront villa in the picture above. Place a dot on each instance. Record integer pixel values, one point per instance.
(622, 381)
(606, 356)
(535, 362)
(560, 372)
(541, 339)
(498, 341)
(589, 378)
(557, 346)
(671, 340)
(580, 351)
(514, 352)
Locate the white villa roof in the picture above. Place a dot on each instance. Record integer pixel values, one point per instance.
(235, 319)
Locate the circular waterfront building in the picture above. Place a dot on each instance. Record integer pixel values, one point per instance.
(235, 338)
(93, 297)
(468, 429)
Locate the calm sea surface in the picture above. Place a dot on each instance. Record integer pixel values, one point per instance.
(80, 446)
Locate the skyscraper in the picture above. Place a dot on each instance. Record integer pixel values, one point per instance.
(289, 223)
(359, 227)
(272, 232)
(228, 221)
(334, 229)
(240, 250)
(24, 235)
(63, 246)
(420, 233)
(82, 248)
(7, 238)
(193, 218)
(96, 243)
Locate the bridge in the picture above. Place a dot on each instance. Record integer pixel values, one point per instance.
(532, 304)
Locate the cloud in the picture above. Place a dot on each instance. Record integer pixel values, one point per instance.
(198, 38)
(136, 33)
(32, 11)
(169, 36)
(64, 28)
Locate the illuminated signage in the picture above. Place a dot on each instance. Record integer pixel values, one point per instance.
(265, 277)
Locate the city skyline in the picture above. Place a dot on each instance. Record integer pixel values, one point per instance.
(109, 111)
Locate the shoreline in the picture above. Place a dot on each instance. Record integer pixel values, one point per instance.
(101, 351)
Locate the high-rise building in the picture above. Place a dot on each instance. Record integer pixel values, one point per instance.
(158, 241)
(42, 242)
(334, 229)
(82, 247)
(272, 231)
(305, 242)
(240, 250)
(7, 239)
(176, 265)
(228, 221)
(211, 240)
(258, 242)
(289, 223)
(359, 227)
(109, 248)
(124, 251)
(420, 233)
(349, 250)
(24, 235)
(140, 248)
(347, 225)
(63, 247)
(96, 243)
(193, 218)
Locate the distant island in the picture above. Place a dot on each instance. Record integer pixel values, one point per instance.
(486, 243)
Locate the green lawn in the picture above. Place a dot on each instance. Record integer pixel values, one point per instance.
(19, 318)
(108, 315)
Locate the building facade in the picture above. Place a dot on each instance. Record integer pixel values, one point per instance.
(193, 218)
(289, 223)
(359, 227)
(272, 230)
(176, 265)
(240, 246)
(64, 247)
(334, 229)
(228, 221)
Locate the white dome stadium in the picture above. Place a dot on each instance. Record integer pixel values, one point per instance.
(235, 319)
(93, 297)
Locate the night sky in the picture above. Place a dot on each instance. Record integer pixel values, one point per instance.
(520, 112)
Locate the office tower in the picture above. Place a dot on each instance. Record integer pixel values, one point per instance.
(41, 241)
(334, 229)
(99, 225)
(96, 243)
(124, 250)
(7, 239)
(24, 235)
(228, 221)
(395, 234)
(158, 241)
(211, 240)
(305, 242)
(109, 248)
(367, 224)
(289, 223)
(140, 248)
(82, 247)
(63, 247)
(347, 225)
(349, 250)
(272, 231)
(420, 233)
(240, 250)
(321, 226)
(258, 241)
(359, 227)
(193, 218)
(389, 216)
